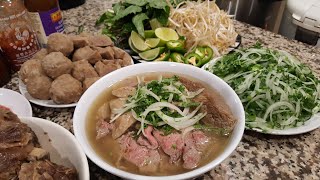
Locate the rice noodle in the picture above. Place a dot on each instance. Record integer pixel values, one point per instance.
(203, 23)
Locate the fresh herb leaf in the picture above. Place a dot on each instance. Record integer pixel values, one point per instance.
(129, 10)
(136, 2)
(138, 22)
(166, 129)
(158, 4)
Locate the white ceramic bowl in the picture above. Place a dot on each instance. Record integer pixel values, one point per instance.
(231, 98)
(63, 147)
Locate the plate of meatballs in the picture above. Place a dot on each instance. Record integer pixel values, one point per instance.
(58, 75)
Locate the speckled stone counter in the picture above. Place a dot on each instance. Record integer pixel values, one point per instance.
(258, 156)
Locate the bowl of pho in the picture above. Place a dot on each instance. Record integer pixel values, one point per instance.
(159, 120)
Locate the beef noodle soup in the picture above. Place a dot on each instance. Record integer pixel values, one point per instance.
(159, 124)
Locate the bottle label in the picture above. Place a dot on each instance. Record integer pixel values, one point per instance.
(46, 23)
(18, 41)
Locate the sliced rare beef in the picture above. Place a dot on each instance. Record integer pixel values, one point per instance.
(195, 144)
(103, 128)
(144, 158)
(148, 139)
(40, 170)
(219, 114)
(171, 144)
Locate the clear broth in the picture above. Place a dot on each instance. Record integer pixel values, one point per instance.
(109, 150)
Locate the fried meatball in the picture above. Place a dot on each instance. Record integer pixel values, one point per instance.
(88, 82)
(87, 53)
(82, 69)
(118, 53)
(55, 64)
(65, 89)
(58, 42)
(106, 53)
(106, 66)
(79, 41)
(30, 68)
(40, 54)
(100, 40)
(38, 87)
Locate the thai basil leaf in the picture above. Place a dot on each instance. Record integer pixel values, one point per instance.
(138, 22)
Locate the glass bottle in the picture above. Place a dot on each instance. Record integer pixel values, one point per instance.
(46, 17)
(4, 71)
(18, 41)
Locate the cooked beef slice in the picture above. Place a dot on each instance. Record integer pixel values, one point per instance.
(171, 144)
(138, 155)
(122, 124)
(195, 143)
(124, 91)
(38, 154)
(219, 114)
(11, 160)
(40, 170)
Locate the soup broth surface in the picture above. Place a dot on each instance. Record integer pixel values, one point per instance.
(109, 150)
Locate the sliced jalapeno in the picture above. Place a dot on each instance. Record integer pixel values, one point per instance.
(176, 46)
(208, 54)
(193, 59)
(163, 56)
(177, 57)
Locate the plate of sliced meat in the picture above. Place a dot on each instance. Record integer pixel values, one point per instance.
(37, 150)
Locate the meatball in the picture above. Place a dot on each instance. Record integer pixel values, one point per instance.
(106, 66)
(65, 89)
(118, 53)
(106, 53)
(79, 41)
(41, 54)
(30, 68)
(38, 87)
(58, 42)
(82, 69)
(100, 40)
(55, 64)
(86, 53)
(88, 82)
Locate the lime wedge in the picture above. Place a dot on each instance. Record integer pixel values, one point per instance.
(132, 47)
(149, 34)
(138, 42)
(152, 42)
(154, 23)
(166, 34)
(151, 54)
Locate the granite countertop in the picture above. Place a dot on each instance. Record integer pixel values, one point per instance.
(258, 156)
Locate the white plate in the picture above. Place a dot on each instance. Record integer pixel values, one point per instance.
(312, 124)
(45, 103)
(16, 102)
(64, 149)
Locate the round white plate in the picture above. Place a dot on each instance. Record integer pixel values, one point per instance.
(15, 102)
(62, 146)
(45, 103)
(312, 124)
